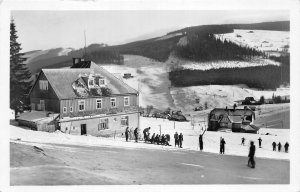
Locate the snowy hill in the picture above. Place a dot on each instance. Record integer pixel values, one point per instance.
(263, 40)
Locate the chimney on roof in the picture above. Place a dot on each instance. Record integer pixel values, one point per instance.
(76, 61)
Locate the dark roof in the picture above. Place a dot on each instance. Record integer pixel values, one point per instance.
(61, 80)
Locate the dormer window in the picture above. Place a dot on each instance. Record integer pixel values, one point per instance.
(101, 82)
(91, 82)
(43, 84)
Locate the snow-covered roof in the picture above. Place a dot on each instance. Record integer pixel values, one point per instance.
(35, 116)
(235, 119)
(61, 80)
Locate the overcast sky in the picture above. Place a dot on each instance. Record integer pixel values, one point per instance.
(52, 29)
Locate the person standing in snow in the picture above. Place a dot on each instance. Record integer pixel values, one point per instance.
(176, 139)
(286, 147)
(126, 133)
(251, 155)
(136, 134)
(201, 141)
(146, 131)
(180, 138)
(243, 141)
(274, 146)
(223, 146)
(259, 142)
(220, 145)
(279, 147)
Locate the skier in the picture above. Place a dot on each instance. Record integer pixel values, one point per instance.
(251, 155)
(180, 138)
(223, 146)
(286, 147)
(201, 140)
(126, 133)
(259, 142)
(176, 139)
(136, 134)
(279, 147)
(274, 146)
(243, 141)
(220, 145)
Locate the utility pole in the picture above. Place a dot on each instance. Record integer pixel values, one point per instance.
(84, 56)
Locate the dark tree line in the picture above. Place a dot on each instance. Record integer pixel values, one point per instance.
(105, 56)
(263, 77)
(206, 47)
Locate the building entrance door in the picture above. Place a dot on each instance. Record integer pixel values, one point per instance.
(83, 129)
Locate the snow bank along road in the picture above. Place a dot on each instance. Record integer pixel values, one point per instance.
(57, 164)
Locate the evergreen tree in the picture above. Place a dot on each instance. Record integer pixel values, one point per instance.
(20, 82)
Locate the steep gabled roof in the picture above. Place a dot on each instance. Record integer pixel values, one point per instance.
(61, 81)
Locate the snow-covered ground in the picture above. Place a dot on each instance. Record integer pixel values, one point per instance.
(168, 36)
(218, 95)
(228, 64)
(190, 134)
(263, 40)
(149, 77)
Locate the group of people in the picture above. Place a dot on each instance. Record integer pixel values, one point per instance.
(178, 139)
(274, 145)
(135, 132)
(286, 146)
(156, 138)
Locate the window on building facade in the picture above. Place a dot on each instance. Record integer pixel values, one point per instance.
(71, 109)
(65, 109)
(99, 104)
(113, 102)
(43, 84)
(103, 124)
(126, 101)
(124, 121)
(81, 105)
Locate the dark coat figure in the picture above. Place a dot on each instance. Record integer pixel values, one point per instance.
(176, 139)
(279, 147)
(146, 131)
(157, 139)
(180, 138)
(222, 146)
(286, 147)
(163, 139)
(136, 134)
(251, 155)
(274, 146)
(243, 141)
(127, 133)
(259, 142)
(152, 138)
(201, 141)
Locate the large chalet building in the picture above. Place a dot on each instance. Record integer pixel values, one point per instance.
(87, 98)
(236, 120)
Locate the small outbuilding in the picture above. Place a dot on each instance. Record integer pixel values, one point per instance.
(39, 120)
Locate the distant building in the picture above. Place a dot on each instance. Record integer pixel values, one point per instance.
(88, 99)
(234, 119)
